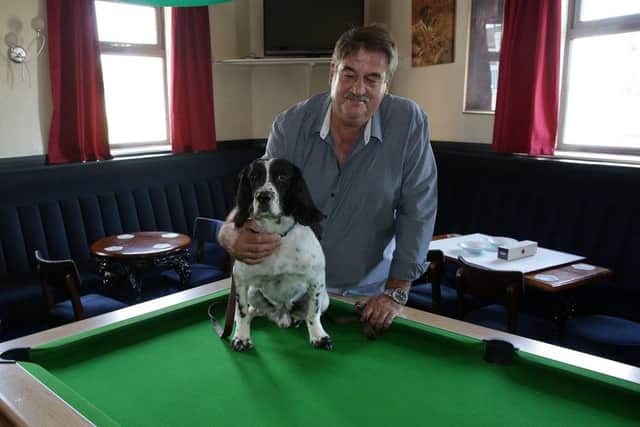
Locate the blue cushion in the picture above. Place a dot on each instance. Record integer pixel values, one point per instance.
(92, 305)
(21, 301)
(200, 275)
(605, 336)
(605, 329)
(495, 317)
(213, 254)
(421, 297)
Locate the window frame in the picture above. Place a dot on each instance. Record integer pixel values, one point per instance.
(579, 29)
(157, 50)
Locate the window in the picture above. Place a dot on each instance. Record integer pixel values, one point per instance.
(600, 95)
(485, 36)
(601, 89)
(132, 46)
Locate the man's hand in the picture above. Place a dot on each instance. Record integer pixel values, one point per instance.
(248, 243)
(379, 311)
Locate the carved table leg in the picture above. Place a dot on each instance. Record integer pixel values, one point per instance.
(181, 265)
(105, 271)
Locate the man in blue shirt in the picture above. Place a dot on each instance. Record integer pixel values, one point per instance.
(368, 163)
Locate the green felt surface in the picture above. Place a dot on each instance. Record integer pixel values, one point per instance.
(172, 370)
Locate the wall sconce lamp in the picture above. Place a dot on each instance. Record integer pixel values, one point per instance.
(17, 53)
(20, 56)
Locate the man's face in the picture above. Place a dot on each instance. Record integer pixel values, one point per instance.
(358, 84)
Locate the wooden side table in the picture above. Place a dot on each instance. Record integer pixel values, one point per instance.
(124, 254)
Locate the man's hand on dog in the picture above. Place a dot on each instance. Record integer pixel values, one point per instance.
(248, 243)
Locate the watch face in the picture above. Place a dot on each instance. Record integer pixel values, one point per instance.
(400, 295)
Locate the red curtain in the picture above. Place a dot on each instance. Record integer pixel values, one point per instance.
(79, 123)
(192, 118)
(526, 117)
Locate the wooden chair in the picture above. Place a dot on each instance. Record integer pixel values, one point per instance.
(212, 262)
(428, 292)
(206, 230)
(504, 291)
(61, 287)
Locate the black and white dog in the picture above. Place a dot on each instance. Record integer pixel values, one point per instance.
(289, 286)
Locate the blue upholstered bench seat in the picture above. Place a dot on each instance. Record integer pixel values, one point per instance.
(94, 304)
(494, 316)
(62, 210)
(584, 208)
(612, 337)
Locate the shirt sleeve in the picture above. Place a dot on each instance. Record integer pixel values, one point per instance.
(416, 211)
(276, 143)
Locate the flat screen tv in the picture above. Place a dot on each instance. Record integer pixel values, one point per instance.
(307, 27)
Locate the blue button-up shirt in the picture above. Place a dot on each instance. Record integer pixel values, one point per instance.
(380, 206)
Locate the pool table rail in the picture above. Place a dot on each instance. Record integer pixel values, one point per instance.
(26, 401)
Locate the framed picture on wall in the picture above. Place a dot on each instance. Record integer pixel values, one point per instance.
(483, 56)
(432, 31)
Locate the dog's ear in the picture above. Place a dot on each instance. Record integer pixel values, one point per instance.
(244, 198)
(299, 203)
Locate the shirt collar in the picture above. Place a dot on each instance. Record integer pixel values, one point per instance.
(372, 127)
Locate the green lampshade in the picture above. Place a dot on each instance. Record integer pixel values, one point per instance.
(174, 3)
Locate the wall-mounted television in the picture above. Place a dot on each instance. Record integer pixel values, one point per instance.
(307, 27)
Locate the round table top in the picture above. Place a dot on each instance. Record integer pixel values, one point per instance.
(142, 244)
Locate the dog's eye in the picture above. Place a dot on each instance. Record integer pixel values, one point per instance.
(282, 177)
(253, 177)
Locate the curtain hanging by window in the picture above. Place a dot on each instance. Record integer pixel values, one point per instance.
(192, 116)
(78, 125)
(526, 117)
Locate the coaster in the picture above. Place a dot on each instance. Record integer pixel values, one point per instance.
(161, 246)
(584, 267)
(125, 236)
(170, 235)
(546, 277)
(113, 248)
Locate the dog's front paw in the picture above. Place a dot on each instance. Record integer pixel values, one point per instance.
(239, 344)
(324, 343)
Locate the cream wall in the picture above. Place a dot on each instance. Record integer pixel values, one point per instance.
(247, 97)
(25, 99)
(258, 92)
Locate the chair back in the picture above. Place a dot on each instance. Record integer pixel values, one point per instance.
(433, 274)
(60, 276)
(205, 230)
(504, 287)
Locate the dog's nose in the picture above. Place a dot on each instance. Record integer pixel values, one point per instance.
(264, 197)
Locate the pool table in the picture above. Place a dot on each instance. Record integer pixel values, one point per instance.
(160, 363)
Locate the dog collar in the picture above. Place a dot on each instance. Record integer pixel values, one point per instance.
(288, 230)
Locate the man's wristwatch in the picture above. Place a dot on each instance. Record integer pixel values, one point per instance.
(399, 295)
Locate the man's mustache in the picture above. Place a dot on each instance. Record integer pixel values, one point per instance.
(353, 97)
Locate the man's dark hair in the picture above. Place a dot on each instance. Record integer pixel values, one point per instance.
(373, 38)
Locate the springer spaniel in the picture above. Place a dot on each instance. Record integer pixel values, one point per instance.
(289, 286)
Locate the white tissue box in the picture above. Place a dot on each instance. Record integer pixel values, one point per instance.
(517, 250)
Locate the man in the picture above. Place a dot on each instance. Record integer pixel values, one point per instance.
(366, 158)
